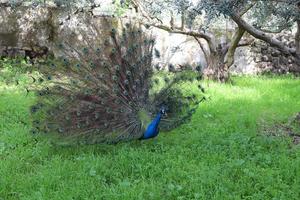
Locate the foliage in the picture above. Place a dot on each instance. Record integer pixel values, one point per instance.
(273, 15)
(219, 155)
(13, 71)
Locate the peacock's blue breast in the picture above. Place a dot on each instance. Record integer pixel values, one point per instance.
(152, 129)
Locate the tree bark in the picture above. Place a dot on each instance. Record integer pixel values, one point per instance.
(297, 38)
(218, 63)
(297, 42)
(229, 59)
(295, 52)
(262, 35)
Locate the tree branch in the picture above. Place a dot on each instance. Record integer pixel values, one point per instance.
(247, 8)
(279, 30)
(204, 51)
(157, 23)
(261, 35)
(140, 9)
(182, 20)
(229, 59)
(297, 38)
(209, 38)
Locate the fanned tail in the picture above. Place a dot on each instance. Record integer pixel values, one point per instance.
(104, 90)
(96, 93)
(180, 97)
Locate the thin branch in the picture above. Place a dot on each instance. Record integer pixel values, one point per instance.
(204, 51)
(247, 8)
(140, 9)
(279, 30)
(182, 20)
(184, 32)
(297, 38)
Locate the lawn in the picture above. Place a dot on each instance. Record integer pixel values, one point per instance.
(223, 153)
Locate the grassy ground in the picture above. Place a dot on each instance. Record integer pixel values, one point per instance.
(220, 154)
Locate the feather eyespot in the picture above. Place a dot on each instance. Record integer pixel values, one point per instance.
(128, 73)
(117, 67)
(115, 78)
(85, 50)
(113, 51)
(113, 32)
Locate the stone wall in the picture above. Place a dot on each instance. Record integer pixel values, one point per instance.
(29, 31)
(271, 60)
(35, 31)
(39, 29)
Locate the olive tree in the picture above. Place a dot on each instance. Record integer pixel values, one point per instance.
(259, 18)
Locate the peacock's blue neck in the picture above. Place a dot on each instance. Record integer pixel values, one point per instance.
(152, 129)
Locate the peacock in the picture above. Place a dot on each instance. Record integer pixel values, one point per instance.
(107, 90)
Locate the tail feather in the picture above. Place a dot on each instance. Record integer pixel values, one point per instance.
(100, 91)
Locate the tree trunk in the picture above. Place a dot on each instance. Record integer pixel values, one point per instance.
(297, 41)
(222, 58)
(216, 68)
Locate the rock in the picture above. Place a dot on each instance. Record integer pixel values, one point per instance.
(106, 8)
(264, 58)
(290, 61)
(9, 39)
(264, 48)
(13, 52)
(4, 1)
(275, 53)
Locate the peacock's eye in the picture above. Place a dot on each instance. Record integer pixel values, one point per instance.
(126, 82)
(125, 93)
(92, 64)
(117, 67)
(85, 50)
(128, 73)
(113, 32)
(114, 78)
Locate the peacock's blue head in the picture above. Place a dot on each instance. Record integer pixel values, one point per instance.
(163, 110)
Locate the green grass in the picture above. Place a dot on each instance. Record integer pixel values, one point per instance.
(220, 154)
